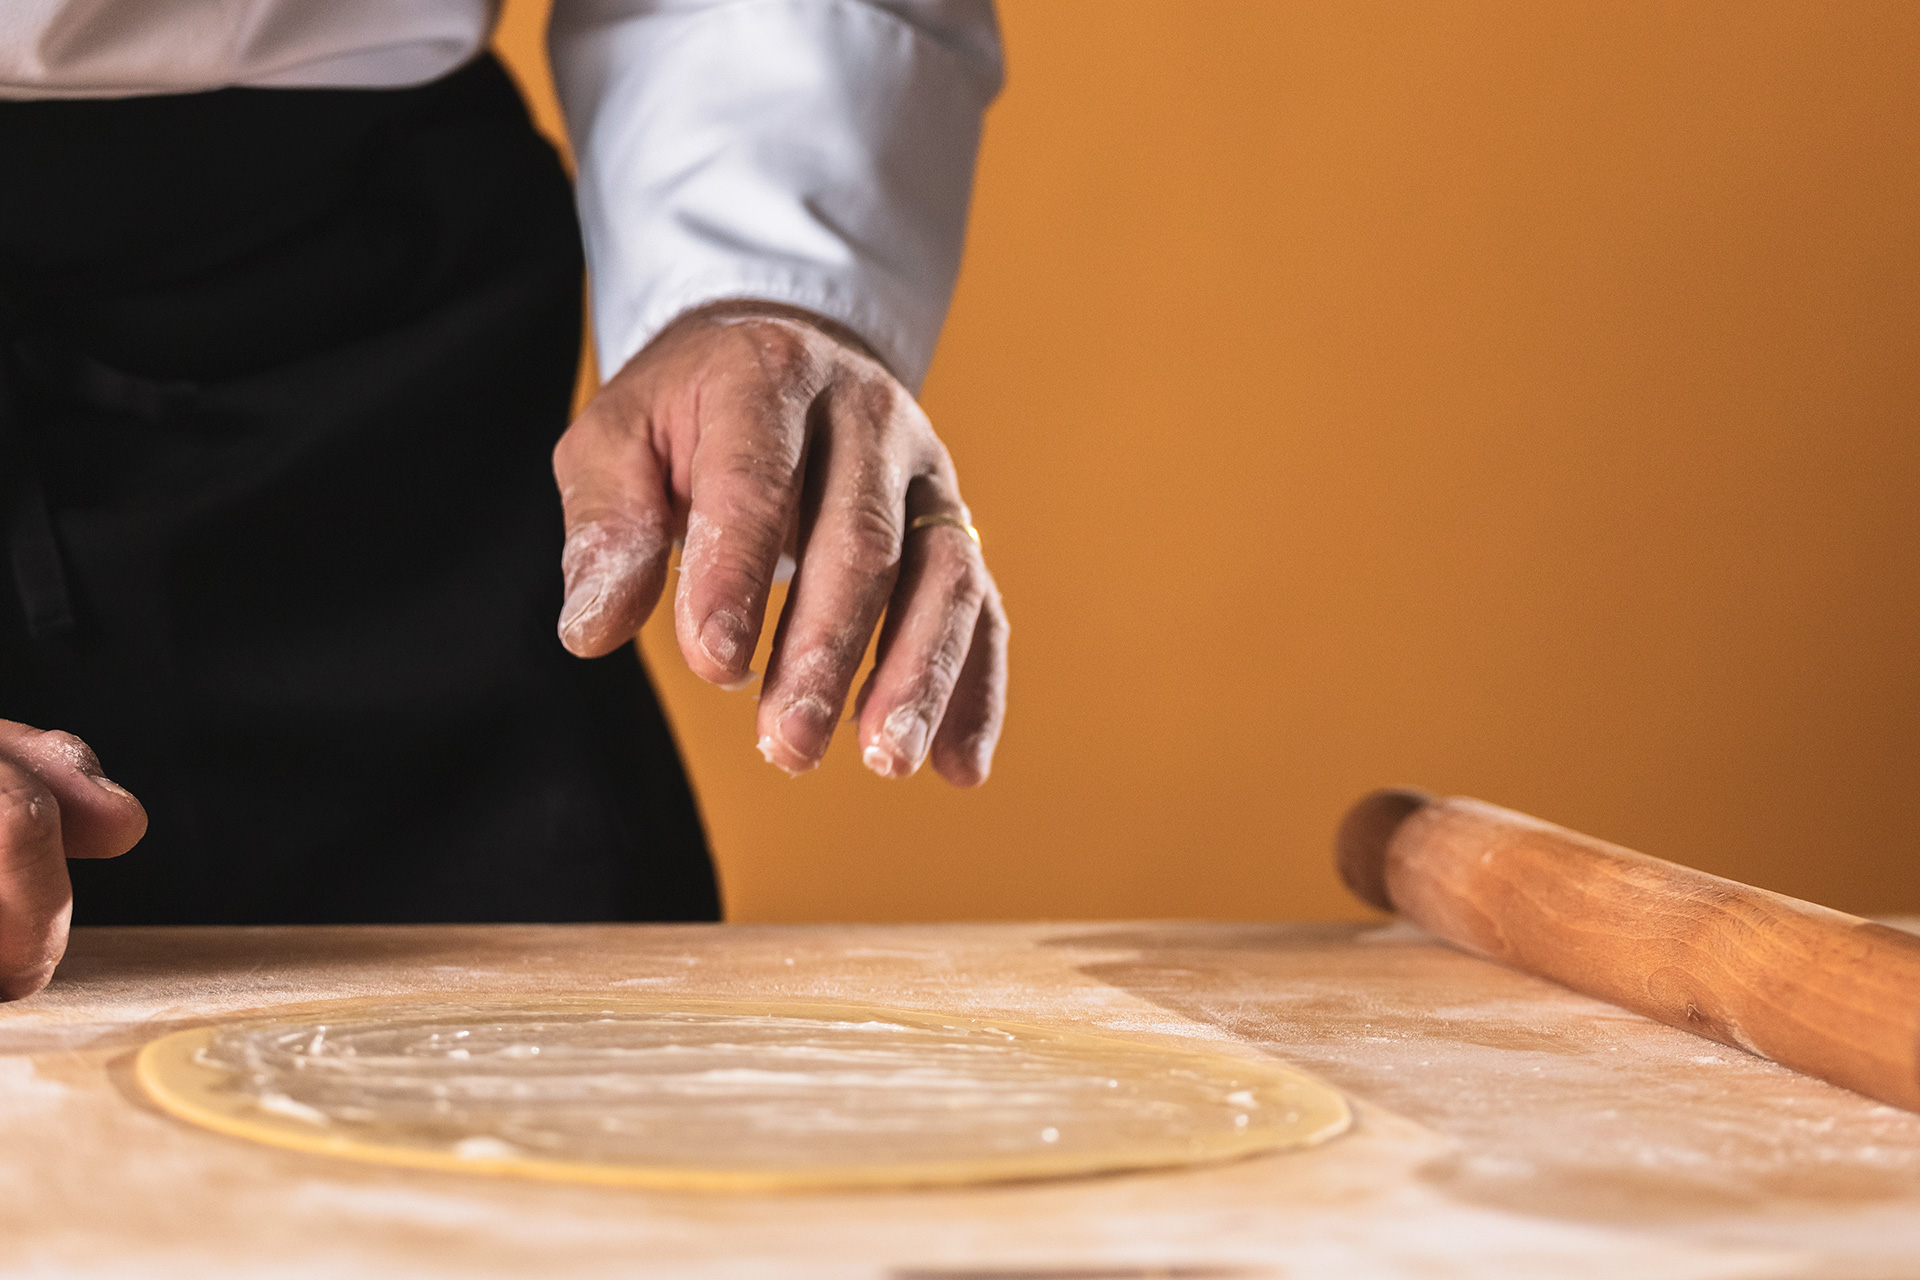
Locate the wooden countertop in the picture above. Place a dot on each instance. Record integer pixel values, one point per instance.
(1506, 1126)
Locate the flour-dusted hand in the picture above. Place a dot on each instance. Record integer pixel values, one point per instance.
(55, 804)
(752, 429)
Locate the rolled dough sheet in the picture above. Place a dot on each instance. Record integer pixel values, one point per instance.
(725, 1096)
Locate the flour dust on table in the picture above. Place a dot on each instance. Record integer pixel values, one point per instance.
(726, 1096)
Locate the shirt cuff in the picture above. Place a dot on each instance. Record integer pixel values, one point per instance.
(817, 153)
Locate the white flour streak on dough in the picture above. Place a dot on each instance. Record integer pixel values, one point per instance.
(728, 1096)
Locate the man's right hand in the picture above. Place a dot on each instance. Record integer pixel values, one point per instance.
(55, 804)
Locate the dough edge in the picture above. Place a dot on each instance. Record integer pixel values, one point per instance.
(187, 1090)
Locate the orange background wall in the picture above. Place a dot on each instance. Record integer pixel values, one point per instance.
(1510, 398)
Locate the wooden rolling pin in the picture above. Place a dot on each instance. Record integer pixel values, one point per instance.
(1820, 991)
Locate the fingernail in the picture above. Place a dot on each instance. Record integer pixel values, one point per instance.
(741, 683)
(902, 744)
(804, 728)
(721, 636)
(767, 747)
(111, 787)
(983, 757)
(908, 731)
(581, 600)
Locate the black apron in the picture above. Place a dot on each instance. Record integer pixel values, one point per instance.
(280, 375)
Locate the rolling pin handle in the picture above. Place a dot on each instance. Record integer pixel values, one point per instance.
(1365, 835)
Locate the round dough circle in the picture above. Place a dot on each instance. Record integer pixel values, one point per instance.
(709, 1095)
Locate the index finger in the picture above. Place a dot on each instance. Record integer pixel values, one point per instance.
(745, 495)
(98, 817)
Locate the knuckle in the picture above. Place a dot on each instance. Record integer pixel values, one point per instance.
(869, 560)
(69, 749)
(783, 350)
(742, 533)
(589, 459)
(746, 536)
(945, 663)
(880, 399)
(935, 460)
(567, 461)
(819, 664)
(753, 479)
(830, 650)
(601, 422)
(961, 578)
(936, 670)
(869, 396)
(872, 535)
(994, 621)
(949, 570)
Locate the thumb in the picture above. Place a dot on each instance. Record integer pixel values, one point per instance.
(619, 516)
(55, 803)
(36, 899)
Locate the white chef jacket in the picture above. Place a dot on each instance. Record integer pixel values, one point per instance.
(812, 152)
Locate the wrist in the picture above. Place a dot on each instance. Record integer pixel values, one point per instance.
(738, 310)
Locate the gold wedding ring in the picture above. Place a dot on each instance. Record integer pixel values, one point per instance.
(942, 518)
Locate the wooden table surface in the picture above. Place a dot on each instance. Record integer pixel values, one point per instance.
(1505, 1127)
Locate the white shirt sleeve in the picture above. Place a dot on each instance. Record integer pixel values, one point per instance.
(817, 153)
